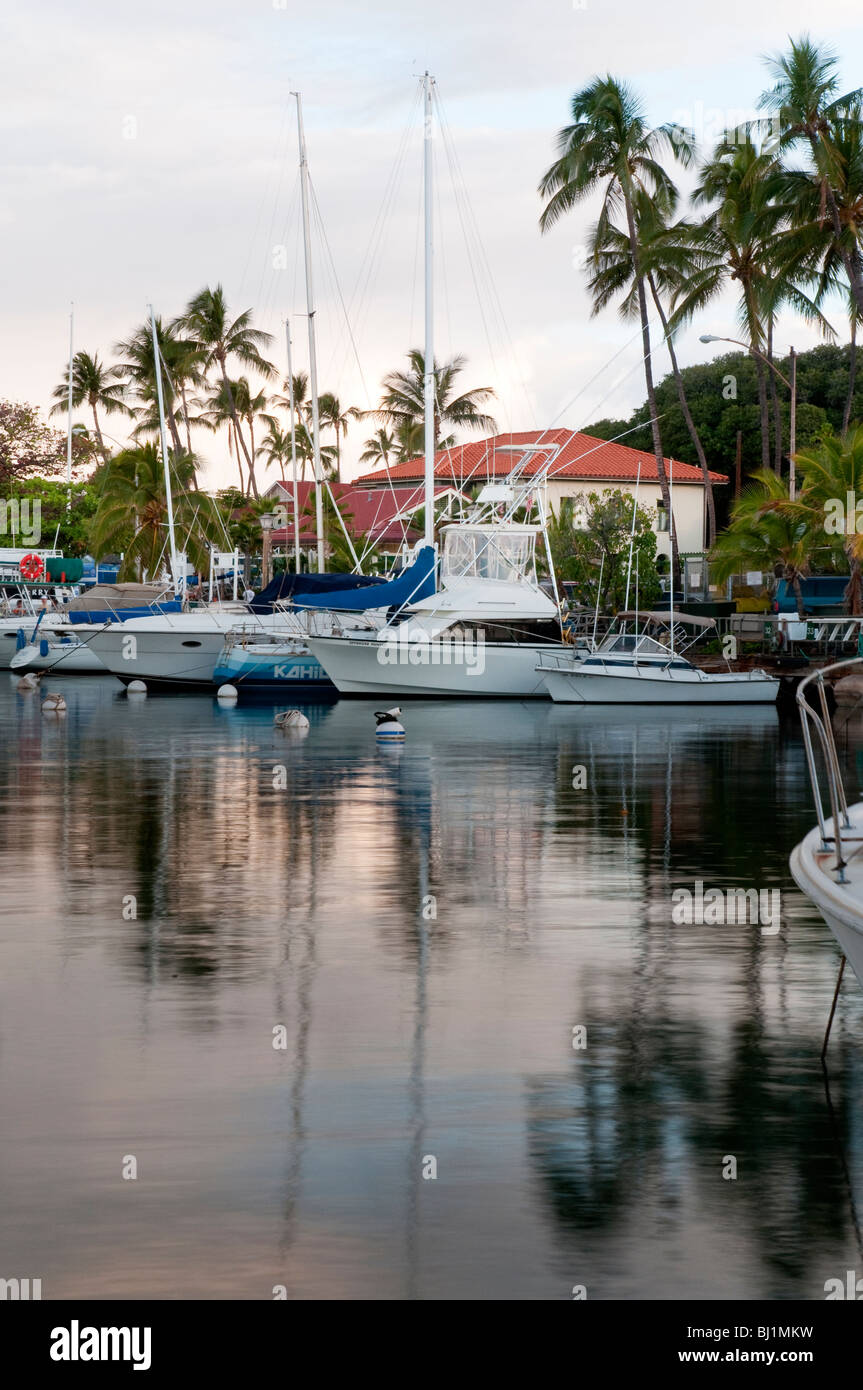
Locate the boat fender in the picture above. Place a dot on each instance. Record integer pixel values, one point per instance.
(43, 646)
(388, 729)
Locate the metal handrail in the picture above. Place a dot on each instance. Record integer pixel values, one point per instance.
(823, 725)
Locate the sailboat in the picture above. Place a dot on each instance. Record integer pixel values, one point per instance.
(483, 630)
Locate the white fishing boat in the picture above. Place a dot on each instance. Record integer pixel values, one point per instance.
(481, 634)
(636, 667)
(827, 865)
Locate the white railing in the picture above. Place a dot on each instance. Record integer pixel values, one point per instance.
(819, 720)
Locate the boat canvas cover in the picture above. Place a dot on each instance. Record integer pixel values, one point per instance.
(414, 583)
(115, 602)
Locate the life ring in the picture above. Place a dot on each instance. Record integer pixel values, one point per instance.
(32, 566)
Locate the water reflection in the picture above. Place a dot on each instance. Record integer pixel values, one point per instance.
(429, 924)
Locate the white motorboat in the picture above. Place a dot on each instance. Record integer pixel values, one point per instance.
(62, 653)
(827, 865)
(635, 667)
(481, 634)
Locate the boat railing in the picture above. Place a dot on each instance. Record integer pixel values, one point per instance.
(815, 718)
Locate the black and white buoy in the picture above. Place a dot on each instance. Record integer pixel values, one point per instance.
(389, 730)
(293, 721)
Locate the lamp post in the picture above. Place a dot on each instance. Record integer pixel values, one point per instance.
(268, 521)
(792, 387)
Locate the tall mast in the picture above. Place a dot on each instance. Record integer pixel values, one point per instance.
(428, 378)
(69, 428)
(166, 463)
(293, 453)
(313, 360)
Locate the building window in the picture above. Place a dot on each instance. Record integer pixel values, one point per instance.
(661, 519)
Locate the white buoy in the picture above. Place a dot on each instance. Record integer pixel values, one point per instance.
(227, 693)
(29, 682)
(136, 688)
(292, 719)
(54, 704)
(389, 730)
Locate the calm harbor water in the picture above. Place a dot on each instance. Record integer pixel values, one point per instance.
(422, 928)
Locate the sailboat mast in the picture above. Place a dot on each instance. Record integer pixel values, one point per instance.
(69, 428)
(293, 452)
(166, 463)
(428, 377)
(313, 360)
(671, 552)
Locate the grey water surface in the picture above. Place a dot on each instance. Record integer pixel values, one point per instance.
(414, 1022)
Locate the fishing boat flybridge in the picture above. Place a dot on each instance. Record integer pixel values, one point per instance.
(827, 865)
(641, 661)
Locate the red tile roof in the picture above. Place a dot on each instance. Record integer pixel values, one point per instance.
(366, 512)
(581, 456)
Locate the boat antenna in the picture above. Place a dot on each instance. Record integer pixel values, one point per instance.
(671, 552)
(166, 463)
(69, 427)
(313, 358)
(428, 364)
(293, 452)
(632, 536)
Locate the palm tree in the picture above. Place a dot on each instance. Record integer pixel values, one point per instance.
(766, 530)
(378, 448)
(669, 262)
(810, 111)
(208, 323)
(741, 241)
(275, 447)
(829, 473)
(138, 372)
(332, 417)
(402, 402)
(132, 512)
(609, 146)
(95, 385)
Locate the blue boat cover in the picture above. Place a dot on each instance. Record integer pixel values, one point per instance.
(352, 591)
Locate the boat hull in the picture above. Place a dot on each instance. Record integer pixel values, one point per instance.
(359, 666)
(839, 904)
(67, 658)
(183, 654)
(641, 686)
(261, 670)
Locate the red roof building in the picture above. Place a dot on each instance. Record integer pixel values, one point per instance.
(381, 516)
(581, 457)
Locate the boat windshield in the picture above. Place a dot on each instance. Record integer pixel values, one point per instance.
(488, 554)
(628, 642)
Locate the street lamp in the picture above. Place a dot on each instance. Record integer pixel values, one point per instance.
(792, 387)
(268, 521)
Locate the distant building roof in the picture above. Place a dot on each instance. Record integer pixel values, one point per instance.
(371, 513)
(581, 456)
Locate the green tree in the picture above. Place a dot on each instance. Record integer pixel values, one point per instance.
(132, 515)
(93, 385)
(811, 112)
(609, 147)
(589, 539)
(402, 403)
(768, 530)
(829, 474)
(207, 322)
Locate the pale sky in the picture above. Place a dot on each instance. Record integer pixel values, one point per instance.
(149, 150)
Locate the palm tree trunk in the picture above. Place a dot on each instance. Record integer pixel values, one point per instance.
(853, 594)
(235, 453)
(338, 455)
(762, 408)
(651, 393)
(186, 415)
(237, 432)
(687, 415)
(852, 373)
(798, 592)
(777, 409)
(102, 450)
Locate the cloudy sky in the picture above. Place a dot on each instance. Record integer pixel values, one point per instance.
(148, 150)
